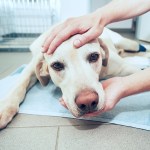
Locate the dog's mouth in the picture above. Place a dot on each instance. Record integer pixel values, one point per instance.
(92, 114)
(83, 114)
(88, 114)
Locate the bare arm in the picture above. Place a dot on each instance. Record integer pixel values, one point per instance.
(91, 25)
(118, 10)
(137, 83)
(119, 87)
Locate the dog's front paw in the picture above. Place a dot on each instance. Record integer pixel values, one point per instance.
(7, 112)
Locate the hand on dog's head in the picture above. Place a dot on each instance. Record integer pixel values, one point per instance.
(76, 71)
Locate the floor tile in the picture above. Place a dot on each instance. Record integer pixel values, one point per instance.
(28, 138)
(103, 137)
(10, 61)
(24, 120)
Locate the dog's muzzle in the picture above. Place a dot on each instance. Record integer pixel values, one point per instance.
(87, 102)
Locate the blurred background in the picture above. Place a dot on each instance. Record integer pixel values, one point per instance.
(21, 21)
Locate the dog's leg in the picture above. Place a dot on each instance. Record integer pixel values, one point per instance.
(121, 42)
(127, 69)
(130, 45)
(9, 105)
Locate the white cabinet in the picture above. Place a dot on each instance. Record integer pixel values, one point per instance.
(143, 27)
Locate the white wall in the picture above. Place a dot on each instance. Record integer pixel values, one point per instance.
(26, 16)
(73, 8)
(127, 24)
(143, 27)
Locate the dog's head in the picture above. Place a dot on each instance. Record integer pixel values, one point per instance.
(76, 72)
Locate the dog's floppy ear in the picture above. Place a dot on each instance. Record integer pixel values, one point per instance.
(42, 73)
(105, 54)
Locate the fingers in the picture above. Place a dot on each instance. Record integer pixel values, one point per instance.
(64, 31)
(61, 37)
(50, 37)
(91, 34)
(62, 102)
(106, 83)
(59, 34)
(47, 43)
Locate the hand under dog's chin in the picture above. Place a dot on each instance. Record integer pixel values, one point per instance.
(93, 114)
(86, 115)
(79, 114)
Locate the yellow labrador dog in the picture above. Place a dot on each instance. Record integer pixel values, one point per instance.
(76, 71)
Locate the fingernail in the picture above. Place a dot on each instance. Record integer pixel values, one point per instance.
(43, 48)
(49, 52)
(77, 43)
(60, 99)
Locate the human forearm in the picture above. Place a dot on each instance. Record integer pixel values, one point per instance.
(120, 10)
(136, 83)
(91, 26)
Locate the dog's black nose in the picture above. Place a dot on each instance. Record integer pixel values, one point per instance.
(87, 101)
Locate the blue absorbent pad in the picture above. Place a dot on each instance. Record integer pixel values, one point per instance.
(133, 111)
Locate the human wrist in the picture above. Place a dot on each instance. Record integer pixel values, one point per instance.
(99, 19)
(100, 15)
(124, 87)
(127, 87)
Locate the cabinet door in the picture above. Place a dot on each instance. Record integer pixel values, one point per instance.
(143, 29)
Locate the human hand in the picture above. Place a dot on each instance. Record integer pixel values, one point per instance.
(88, 27)
(114, 90)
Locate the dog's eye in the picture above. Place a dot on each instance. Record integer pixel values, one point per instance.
(58, 66)
(93, 57)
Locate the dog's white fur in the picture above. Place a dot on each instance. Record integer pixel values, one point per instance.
(78, 73)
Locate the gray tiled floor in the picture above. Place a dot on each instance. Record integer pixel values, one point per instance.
(28, 138)
(32, 132)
